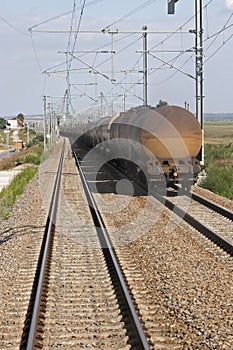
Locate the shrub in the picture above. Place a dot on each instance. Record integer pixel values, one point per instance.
(38, 139)
(33, 158)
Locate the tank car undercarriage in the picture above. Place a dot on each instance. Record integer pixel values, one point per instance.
(160, 176)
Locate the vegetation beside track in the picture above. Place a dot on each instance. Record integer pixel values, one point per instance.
(9, 193)
(32, 156)
(219, 158)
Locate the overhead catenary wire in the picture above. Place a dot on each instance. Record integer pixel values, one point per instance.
(145, 4)
(179, 29)
(69, 63)
(216, 36)
(94, 69)
(164, 63)
(13, 27)
(190, 50)
(119, 83)
(83, 55)
(219, 48)
(176, 68)
(172, 66)
(90, 3)
(167, 63)
(138, 8)
(35, 53)
(181, 53)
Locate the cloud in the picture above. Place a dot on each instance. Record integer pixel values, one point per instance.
(229, 4)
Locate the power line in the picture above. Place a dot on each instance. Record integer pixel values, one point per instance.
(179, 28)
(216, 35)
(177, 70)
(91, 3)
(145, 4)
(13, 27)
(168, 63)
(219, 48)
(35, 53)
(75, 40)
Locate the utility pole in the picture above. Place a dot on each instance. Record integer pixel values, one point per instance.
(101, 104)
(113, 54)
(199, 64)
(52, 122)
(67, 103)
(124, 97)
(145, 65)
(44, 98)
(7, 132)
(199, 69)
(49, 125)
(28, 138)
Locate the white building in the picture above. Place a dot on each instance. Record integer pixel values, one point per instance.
(13, 124)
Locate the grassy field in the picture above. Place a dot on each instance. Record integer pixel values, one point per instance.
(218, 149)
(219, 132)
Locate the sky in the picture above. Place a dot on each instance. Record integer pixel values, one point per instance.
(37, 63)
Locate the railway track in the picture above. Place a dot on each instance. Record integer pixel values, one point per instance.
(20, 240)
(81, 300)
(139, 253)
(214, 221)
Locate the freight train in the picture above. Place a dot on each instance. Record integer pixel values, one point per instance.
(158, 145)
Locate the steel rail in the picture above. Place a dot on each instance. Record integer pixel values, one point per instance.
(48, 239)
(207, 203)
(211, 234)
(216, 207)
(205, 230)
(108, 251)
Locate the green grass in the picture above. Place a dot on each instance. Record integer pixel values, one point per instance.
(219, 158)
(219, 154)
(9, 194)
(33, 158)
(220, 181)
(219, 167)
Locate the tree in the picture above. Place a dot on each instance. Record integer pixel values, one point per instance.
(3, 123)
(20, 116)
